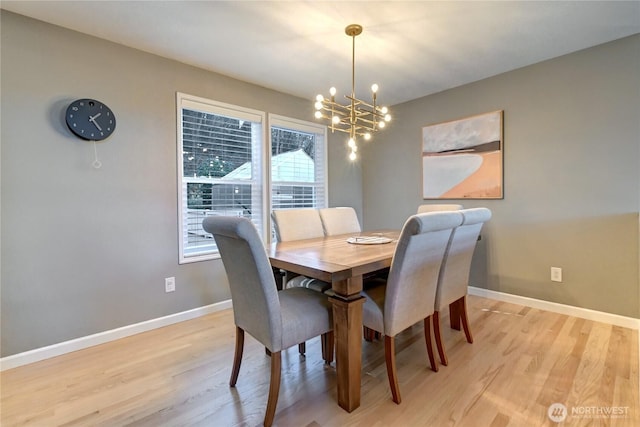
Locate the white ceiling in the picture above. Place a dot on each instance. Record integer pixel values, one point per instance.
(410, 48)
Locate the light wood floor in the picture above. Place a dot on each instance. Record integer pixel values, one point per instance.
(522, 361)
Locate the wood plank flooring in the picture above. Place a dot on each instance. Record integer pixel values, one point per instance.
(522, 361)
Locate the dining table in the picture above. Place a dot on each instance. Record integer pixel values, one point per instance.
(342, 260)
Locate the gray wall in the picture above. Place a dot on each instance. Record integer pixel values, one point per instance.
(571, 181)
(86, 250)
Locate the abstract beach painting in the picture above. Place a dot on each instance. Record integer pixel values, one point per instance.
(462, 159)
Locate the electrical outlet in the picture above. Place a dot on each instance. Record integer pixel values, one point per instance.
(556, 274)
(169, 284)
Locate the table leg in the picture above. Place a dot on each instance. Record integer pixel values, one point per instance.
(347, 324)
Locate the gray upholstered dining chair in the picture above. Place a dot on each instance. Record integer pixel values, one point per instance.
(278, 319)
(299, 224)
(454, 275)
(408, 295)
(339, 220)
(439, 207)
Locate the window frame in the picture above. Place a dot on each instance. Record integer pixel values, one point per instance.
(276, 120)
(264, 147)
(186, 101)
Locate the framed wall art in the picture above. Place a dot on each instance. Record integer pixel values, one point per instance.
(463, 159)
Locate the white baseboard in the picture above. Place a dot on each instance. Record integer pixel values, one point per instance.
(584, 313)
(38, 354)
(54, 350)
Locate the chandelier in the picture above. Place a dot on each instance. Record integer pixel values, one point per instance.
(356, 117)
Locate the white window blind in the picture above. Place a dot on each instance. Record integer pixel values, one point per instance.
(298, 164)
(221, 169)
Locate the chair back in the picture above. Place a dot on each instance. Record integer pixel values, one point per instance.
(256, 307)
(438, 208)
(339, 220)
(456, 266)
(413, 277)
(297, 224)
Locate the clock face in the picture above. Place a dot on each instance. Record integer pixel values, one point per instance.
(90, 119)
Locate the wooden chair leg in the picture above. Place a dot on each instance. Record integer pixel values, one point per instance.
(437, 332)
(323, 344)
(390, 358)
(327, 347)
(302, 348)
(366, 333)
(237, 358)
(427, 339)
(465, 321)
(274, 388)
(454, 315)
(371, 334)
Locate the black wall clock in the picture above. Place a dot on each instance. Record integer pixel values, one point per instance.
(90, 119)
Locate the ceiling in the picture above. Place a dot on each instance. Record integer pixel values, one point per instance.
(410, 48)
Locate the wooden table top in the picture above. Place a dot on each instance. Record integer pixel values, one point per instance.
(332, 258)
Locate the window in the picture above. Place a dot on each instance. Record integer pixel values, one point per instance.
(220, 169)
(222, 159)
(298, 166)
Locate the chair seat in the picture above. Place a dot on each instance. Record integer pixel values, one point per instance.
(309, 283)
(302, 303)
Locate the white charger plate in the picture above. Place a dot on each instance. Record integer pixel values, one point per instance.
(369, 240)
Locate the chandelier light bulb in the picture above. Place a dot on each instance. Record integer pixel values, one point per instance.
(381, 124)
(319, 98)
(351, 143)
(335, 120)
(367, 136)
(318, 105)
(318, 114)
(387, 117)
(374, 88)
(352, 156)
(332, 91)
(384, 110)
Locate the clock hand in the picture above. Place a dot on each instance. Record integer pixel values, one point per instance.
(93, 120)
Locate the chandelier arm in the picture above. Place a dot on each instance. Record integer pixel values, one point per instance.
(339, 108)
(373, 114)
(345, 130)
(354, 101)
(374, 108)
(369, 124)
(345, 111)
